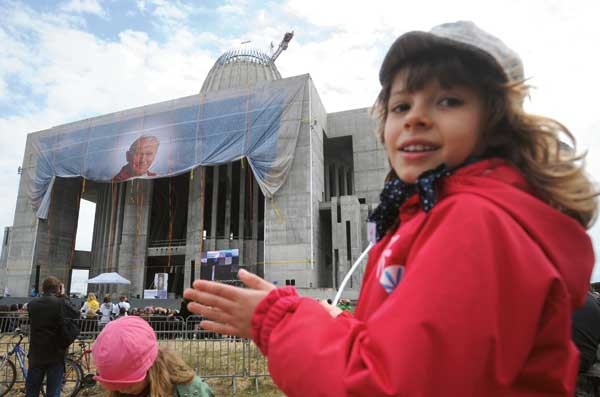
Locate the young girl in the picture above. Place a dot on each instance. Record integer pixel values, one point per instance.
(129, 362)
(482, 252)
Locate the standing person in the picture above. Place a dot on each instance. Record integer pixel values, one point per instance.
(90, 310)
(586, 335)
(124, 306)
(46, 352)
(90, 306)
(157, 372)
(107, 311)
(483, 205)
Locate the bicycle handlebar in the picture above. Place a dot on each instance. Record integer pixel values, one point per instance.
(20, 334)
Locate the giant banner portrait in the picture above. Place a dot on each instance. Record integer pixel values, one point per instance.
(261, 123)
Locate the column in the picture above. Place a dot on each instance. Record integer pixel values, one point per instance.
(215, 201)
(195, 225)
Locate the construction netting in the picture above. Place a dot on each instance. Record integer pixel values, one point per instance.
(261, 123)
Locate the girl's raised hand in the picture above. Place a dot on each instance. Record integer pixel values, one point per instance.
(228, 309)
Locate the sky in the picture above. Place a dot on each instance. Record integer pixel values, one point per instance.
(63, 61)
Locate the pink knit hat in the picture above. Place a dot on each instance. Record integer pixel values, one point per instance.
(124, 351)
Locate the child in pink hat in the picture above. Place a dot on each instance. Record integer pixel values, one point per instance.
(130, 362)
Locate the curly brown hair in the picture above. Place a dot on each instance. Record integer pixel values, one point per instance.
(534, 144)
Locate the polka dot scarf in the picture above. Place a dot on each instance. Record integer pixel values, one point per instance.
(396, 192)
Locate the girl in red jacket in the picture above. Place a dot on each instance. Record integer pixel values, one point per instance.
(482, 253)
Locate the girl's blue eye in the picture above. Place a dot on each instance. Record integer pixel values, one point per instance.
(451, 102)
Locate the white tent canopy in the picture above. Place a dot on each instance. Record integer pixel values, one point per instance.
(109, 278)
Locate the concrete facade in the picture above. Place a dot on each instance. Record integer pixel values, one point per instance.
(308, 234)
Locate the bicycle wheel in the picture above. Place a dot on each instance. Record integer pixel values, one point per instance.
(71, 379)
(8, 375)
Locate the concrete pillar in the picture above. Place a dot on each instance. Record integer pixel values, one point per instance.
(342, 180)
(56, 236)
(336, 181)
(195, 225)
(349, 183)
(242, 205)
(326, 191)
(100, 237)
(228, 198)
(101, 245)
(215, 207)
(119, 205)
(4, 257)
(254, 242)
(134, 233)
(255, 191)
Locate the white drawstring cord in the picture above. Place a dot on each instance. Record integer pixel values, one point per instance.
(338, 295)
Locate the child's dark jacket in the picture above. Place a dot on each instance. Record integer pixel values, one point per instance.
(473, 298)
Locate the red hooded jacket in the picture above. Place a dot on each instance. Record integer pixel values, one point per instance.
(473, 298)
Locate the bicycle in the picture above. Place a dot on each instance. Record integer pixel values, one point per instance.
(84, 360)
(8, 371)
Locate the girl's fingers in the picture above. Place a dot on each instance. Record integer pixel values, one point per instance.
(211, 313)
(207, 299)
(220, 328)
(251, 280)
(219, 289)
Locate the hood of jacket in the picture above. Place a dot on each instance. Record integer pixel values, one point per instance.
(564, 241)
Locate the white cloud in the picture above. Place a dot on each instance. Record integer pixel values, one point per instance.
(93, 76)
(169, 12)
(78, 75)
(236, 7)
(84, 6)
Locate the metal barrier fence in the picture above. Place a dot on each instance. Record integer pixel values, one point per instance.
(210, 354)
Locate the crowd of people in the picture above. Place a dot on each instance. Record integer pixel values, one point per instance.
(93, 316)
(106, 311)
(167, 322)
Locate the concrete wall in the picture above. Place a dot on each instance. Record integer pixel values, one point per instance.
(369, 169)
(318, 123)
(346, 217)
(55, 242)
(23, 234)
(4, 257)
(289, 235)
(370, 160)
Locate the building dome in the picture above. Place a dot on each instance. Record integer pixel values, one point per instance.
(240, 68)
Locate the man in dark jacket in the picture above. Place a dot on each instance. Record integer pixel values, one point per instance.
(586, 335)
(47, 348)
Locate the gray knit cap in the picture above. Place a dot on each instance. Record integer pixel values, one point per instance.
(463, 35)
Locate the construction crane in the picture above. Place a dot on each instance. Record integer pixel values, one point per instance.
(283, 45)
